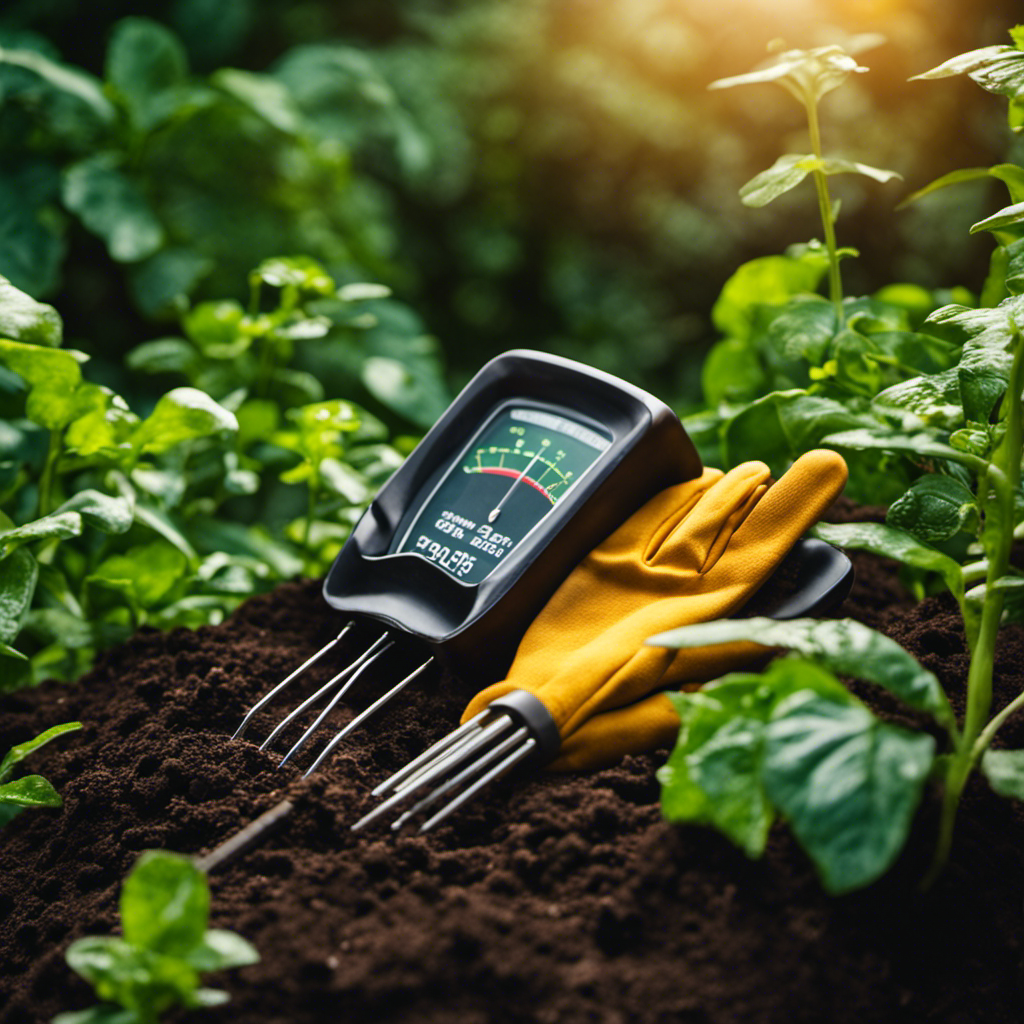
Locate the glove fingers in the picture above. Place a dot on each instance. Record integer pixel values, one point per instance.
(710, 524)
(789, 507)
(607, 738)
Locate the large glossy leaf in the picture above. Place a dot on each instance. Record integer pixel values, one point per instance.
(890, 542)
(843, 645)
(847, 783)
(934, 508)
(29, 791)
(104, 512)
(72, 81)
(25, 320)
(51, 527)
(184, 414)
(19, 573)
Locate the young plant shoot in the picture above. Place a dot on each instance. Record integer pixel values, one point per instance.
(794, 741)
(30, 790)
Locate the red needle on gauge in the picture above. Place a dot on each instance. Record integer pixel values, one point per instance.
(496, 511)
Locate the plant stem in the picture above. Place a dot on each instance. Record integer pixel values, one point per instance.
(1002, 482)
(49, 471)
(835, 284)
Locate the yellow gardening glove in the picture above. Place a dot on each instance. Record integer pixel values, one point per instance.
(694, 553)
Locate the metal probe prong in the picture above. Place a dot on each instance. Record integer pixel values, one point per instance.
(446, 741)
(347, 671)
(334, 700)
(363, 715)
(284, 682)
(496, 772)
(467, 773)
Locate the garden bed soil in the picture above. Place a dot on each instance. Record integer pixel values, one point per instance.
(560, 898)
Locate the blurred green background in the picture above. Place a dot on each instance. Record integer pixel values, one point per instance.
(542, 173)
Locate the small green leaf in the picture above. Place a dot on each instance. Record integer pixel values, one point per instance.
(1005, 218)
(29, 791)
(216, 329)
(18, 754)
(19, 573)
(164, 355)
(889, 542)
(184, 414)
(361, 291)
(300, 272)
(52, 375)
(997, 69)
(832, 165)
(25, 320)
(219, 949)
(848, 784)
(112, 206)
(1004, 770)
(100, 422)
(165, 904)
(104, 1014)
(786, 173)
(934, 509)
(953, 178)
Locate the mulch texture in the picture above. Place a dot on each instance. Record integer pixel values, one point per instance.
(553, 899)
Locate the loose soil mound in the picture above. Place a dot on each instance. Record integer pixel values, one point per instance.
(556, 899)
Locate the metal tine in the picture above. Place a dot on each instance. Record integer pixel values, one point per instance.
(344, 674)
(444, 742)
(475, 768)
(495, 773)
(303, 739)
(284, 682)
(363, 715)
(450, 755)
(444, 762)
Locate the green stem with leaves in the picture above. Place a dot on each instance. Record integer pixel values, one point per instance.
(835, 283)
(49, 473)
(996, 492)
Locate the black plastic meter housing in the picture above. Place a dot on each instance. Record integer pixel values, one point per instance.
(476, 626)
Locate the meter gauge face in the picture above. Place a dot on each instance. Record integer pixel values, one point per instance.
(515, 470)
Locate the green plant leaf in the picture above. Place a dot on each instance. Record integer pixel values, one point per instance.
(765, 281)
(30, 791)
(848, 784)
(56, 526)
(162, 284)
(70, 80)
(934, 509)
(165, 904)
(25, 320)
(216, 329)
(146, 573)
(184, 414)
(804, 330)
(112, 206)
(302, 272)
(714, 773)
(52, 376)
(1004, 770)
(1005, 218)
(265, 96)
(732, 372)
(144, 62)
(104, 1014)
(842, 645)
(18, 754)
(219, 949)
(890, 542)
(997, 69)
(786, 173)
(164, 355)
(19, 573)
(921, 444)
(104, 512)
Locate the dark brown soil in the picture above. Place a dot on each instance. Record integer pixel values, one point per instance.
(557, 899)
